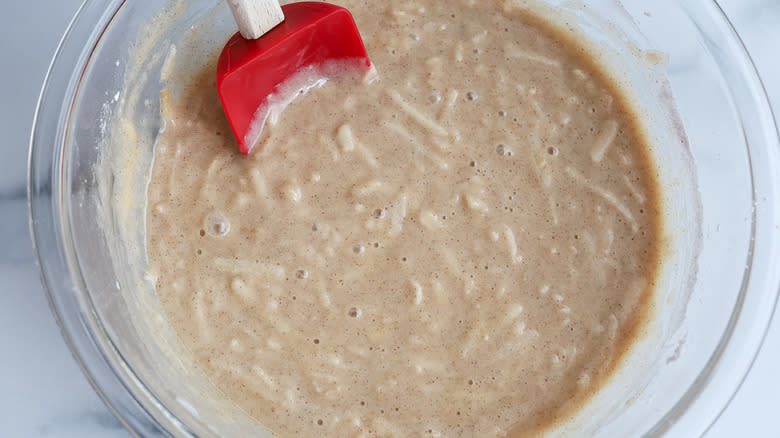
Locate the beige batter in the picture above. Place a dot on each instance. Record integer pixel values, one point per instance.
(463, 247)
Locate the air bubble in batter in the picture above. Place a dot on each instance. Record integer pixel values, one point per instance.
(217, 225)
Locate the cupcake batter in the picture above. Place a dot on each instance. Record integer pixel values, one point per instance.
(462, 247)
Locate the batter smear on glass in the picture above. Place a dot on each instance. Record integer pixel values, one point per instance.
(462, 247)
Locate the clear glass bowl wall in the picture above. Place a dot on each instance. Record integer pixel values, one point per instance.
(736, 159)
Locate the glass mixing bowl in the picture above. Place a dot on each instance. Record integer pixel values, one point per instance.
(722, 193)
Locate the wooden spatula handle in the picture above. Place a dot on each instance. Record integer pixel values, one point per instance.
(256, 17)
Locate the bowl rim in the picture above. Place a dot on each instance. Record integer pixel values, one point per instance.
(143, 414)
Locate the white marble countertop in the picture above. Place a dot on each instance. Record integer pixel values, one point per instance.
(42, 391)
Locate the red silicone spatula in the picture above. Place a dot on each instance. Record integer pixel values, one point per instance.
(273, 44)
